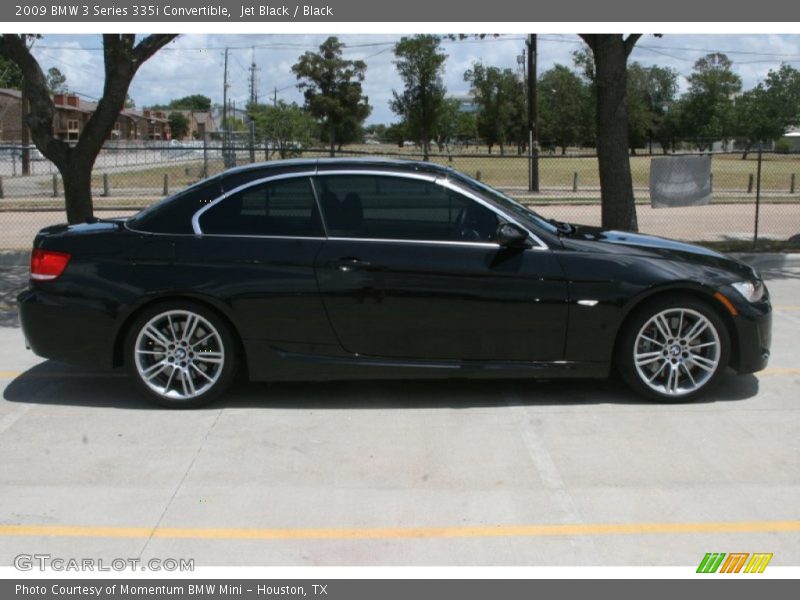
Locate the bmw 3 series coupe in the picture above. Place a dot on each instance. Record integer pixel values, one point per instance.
(346, 268)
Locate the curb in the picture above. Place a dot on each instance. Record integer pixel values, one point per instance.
(769, 260)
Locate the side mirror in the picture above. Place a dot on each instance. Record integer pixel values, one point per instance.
(512, 236)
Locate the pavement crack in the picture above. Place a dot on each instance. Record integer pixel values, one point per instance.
(180, 483)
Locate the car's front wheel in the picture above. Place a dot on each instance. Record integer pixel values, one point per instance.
(673, 349)
(180, 354)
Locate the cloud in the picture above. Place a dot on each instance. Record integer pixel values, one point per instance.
(193, 64)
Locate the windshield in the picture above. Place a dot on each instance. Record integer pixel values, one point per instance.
(508, 204)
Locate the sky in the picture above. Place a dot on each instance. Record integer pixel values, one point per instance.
(193, 64)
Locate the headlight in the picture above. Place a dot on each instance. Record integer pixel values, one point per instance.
(752, 291)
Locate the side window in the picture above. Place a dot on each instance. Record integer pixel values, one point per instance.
(283, 207)
(174, 214)
(386, 207)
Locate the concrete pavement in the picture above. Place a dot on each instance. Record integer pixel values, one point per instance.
(387, 473)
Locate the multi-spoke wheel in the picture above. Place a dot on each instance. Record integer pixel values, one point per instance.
(181, 354)
(673, 349)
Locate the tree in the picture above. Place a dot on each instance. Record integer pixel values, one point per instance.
(178, 125)
(783, 86)
(564, 107)
(56, 81)
(287, 127)
(501, 100)
(10, 74)
(122, 58)
(129, 102)
(651, 92)
(396, 133)
(196, 102)
(331, 86)
(610, 53)
(708, 111)
(766, 111)
(420, 64)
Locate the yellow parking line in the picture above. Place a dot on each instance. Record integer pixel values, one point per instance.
(486, 531)
(786, 307)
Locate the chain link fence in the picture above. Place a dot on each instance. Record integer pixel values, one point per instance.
(129, 177)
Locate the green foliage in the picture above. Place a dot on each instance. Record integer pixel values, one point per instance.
(708, 108)
(286, 127)
(651, 93)
(332, 89)
(783, 147)
(502, 101)
(197, 102)
(10, 74)
(396, 133)
(179, 125)
(565, 108)
(420, 64)
(56, 81)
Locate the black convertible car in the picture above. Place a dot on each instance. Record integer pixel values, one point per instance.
(329, 269)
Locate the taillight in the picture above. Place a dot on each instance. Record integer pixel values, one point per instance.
(47, 265)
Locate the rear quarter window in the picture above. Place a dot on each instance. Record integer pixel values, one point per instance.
(174, 214)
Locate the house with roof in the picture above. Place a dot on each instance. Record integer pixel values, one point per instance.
(72, 112)
(201, 122)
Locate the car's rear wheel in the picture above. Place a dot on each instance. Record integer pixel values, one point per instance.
(674, 349)
(180, 354)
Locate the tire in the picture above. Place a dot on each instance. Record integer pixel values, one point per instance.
(673, 349)
(180, 354)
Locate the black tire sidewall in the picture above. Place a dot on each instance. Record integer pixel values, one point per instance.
(625, 349)
(229, 366)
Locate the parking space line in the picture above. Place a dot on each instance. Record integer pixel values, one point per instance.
(485, 531)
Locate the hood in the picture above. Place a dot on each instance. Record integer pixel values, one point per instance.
(650, 246)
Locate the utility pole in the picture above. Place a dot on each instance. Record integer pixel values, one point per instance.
(275, 97)
(25, 151)
(225, 157)
(253, 101)
(533, 117)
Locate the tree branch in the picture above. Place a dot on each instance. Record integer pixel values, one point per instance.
(630, 42)
(590, 39)
(150, 45)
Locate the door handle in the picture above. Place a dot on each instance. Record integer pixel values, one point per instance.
(347, 265)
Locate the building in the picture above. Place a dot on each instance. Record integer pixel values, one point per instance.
(200, 123)
(10, 115)
(791, 140)
(73, 112)
(466, 101)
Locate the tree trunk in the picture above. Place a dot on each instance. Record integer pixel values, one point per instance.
(616, 184)
(77, 180)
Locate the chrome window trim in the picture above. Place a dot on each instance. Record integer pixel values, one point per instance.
(438, 179)
(294, 175)
(423, 242)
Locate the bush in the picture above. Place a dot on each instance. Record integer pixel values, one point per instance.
(783, 147)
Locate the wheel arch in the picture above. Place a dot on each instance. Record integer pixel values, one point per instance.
(219, 308)
(688, 289)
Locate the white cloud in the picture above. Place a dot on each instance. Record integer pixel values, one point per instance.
(193, 64)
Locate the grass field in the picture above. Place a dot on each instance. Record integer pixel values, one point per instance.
(557, 173)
